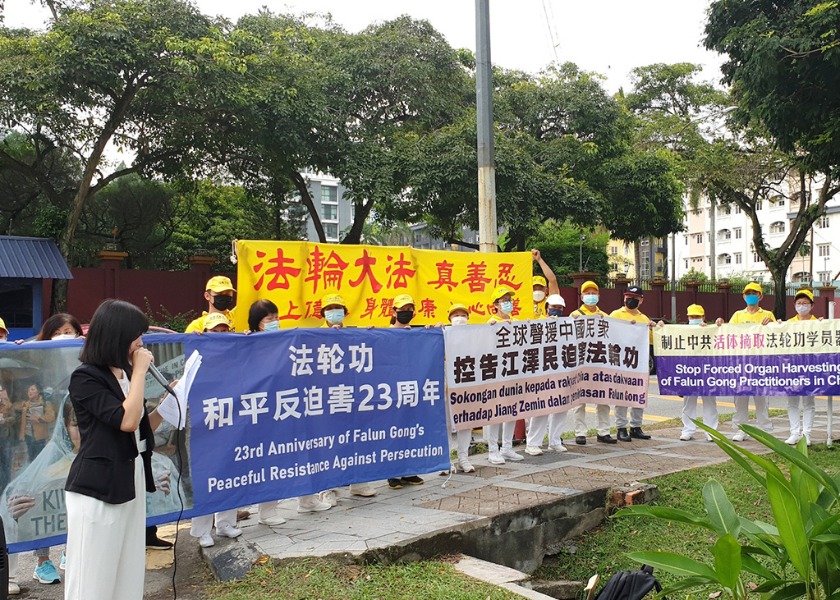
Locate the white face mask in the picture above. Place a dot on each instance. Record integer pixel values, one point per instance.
(64, 336)
(802, 309)
(590, 299)
(539, 295)
(461, 320)
(695, 321)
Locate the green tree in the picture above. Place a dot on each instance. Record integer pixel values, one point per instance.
(784, 68)
(562, 248)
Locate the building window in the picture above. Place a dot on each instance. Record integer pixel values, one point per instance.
(724, 259)
(825, 276)
(822, 249)
(686, 240)
(686, 263)
(756, 259)
(822, 222)
(329, 212)
(737, 231)
(724, 234)
(737, 258)
(329, 193)
(777, 227)
(698, 237)
(737, 210)
(759, 205)
(725, 210)
(626, 249)
(614, 250)
(331, 231)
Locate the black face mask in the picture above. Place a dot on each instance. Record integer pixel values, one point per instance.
(631, 303)
(404, 316)
(222, 302)
(555, 312)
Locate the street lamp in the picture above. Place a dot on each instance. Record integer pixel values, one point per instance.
(580, 260)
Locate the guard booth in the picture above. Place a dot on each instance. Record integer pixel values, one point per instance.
(25, 262)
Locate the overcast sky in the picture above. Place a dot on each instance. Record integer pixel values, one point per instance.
(609, 37)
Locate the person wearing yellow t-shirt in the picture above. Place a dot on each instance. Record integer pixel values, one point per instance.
(633, 298)
(590, 293)
(542, 285)
(502, 299)
(804, 304)
(697, 317)
(219, 295)
(753, 313)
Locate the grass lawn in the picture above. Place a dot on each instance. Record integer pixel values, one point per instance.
(325, 579)
(604, 549)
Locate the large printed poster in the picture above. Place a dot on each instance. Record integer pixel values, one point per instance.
(297, 275)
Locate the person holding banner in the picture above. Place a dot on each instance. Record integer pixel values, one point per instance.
(542, 285)
(633, 299)
(459, 314)
(219, 295)
(402, 312)
(502, 300)
(554, 422)
(753, 313)
(696, 316)
(590, 293)
(334, 310)
(803, 303)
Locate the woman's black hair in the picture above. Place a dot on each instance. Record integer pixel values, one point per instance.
(56, 322)
(259, 310)
(114, 325)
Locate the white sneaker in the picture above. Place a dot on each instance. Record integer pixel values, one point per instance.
(313, 505)
(329, 496)
(533, 450)
(685, 437)
(807, 439)
(793, 439)
(228, 531)
(709, 438)
(274, 521)
(365, 490)
(206, 541)
(509, 454)
(466, 466)
(559, 448)
(740, 436)
(14, 588)
(495, 459)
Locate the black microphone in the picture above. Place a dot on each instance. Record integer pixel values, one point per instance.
(153, 370)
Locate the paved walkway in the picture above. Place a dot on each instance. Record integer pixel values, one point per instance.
(399, 517)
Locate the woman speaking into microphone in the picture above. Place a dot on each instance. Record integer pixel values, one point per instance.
(107, 483)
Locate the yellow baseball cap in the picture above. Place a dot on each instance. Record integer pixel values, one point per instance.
(501, 292)
(3, 326)
(589, 285)
(214, 319)
(801, 293)
(220, 283)
(402, 300)
(695, 310)
(455, 307)
(752, 286)
(332, 300)
(539, 280)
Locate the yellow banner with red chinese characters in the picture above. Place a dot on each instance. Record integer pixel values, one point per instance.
(297, 275)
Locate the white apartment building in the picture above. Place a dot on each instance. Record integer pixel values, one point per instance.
(718, 242)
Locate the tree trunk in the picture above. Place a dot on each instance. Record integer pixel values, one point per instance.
(780, 290)
(306, 199)
(354, 236)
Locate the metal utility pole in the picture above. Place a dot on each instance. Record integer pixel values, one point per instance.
(487, 229)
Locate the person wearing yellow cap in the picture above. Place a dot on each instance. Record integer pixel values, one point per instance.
(502, 301)
(633, 298)
(697, 317)
(753, 313)
(219, 295)
(803, 303)
(542, 285)
(4, 333)
(459, 314)
(555, 422)
(402, 312)
(589, 296)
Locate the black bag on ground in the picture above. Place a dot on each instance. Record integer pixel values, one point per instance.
(629, 585)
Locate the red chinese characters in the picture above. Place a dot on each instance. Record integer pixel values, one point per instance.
(366, 262)
(329, 271)
(281, 269)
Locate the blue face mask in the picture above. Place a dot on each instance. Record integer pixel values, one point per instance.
(334, 316)
(271, 326)
(506, 307)
(695, 321)
(590, 299)
(751, 299)
(555, 312)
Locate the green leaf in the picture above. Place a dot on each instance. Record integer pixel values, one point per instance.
(796, 590)
(683, 584)
(666, 514)
(727, 553)
(720, 510)
(789, 522)
(751, 565)
(770, 585)
(676, 564)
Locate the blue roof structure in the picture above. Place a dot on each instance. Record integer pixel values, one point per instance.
(29, 257)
